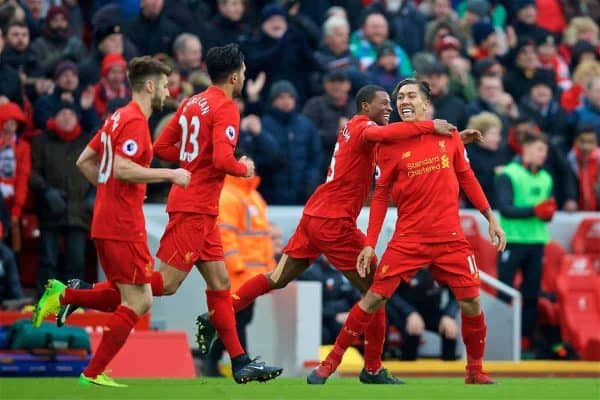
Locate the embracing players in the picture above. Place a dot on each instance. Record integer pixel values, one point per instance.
(423, 175)
(328, 225)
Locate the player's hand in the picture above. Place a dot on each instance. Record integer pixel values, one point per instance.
(363, 262)
(443, 127)
(181, 177)
(249, 166)
(471, 135)
(448, 328)
(415, 326)
(497, 235)
(87, 97)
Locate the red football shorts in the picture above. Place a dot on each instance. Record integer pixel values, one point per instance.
(337, 238)
(189, 238)
(125, 262)
(451, 264)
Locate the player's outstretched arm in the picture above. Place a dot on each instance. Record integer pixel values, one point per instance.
(88, 165)
(404, 130)
(131, 172)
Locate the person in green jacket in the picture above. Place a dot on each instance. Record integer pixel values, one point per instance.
(526, 205)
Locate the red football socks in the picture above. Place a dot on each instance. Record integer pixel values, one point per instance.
(249, 291)
(104, 296)
(355, 325)
(374, 339)
(473, 333)
(115, 334)
(220, 310)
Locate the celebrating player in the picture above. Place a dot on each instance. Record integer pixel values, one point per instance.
(423, 175)
(116, 160)
(328, 225)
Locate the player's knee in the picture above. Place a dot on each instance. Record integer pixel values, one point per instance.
(220, 282)
(170, 287)
(141, 305)
(470, 306)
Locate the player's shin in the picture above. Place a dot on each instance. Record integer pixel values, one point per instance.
(249, 291)
(374, 340)
(474, 332)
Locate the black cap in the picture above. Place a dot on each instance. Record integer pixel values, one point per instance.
(434, 68)
(335, 75)
(386, 48)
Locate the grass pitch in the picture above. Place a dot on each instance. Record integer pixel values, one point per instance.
(296, 388)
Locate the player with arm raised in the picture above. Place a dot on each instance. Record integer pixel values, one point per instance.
(328, 225)
(116, 160)
(423, 175)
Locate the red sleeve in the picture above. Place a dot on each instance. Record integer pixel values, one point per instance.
(396, 130)
(168, 144)
(22, 177)
(226, 128)
(466, 178)
(130, 139)
(384, 178)
(95, 143)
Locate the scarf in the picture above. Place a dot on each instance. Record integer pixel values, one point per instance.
(64, 135)
(589, 180)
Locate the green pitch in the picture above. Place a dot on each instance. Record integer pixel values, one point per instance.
(287, 388)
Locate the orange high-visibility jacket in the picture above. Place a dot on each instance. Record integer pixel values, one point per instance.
(245, 230)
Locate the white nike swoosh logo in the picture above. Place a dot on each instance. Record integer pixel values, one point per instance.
(258, 368)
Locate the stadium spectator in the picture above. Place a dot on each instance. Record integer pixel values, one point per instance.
(385, 71)
(475, 11)
(108, 37)
(296, 173)
(189, 16)
(112, 83)
(407, 23)
(437, 31)
(338, 296)
(371, 36)
(572, 98)
(550, 16)
(334, 54)
(187, 50)
(565, 184)
(488, 156)
(524, 199)
(276, 41)
(15, 166)
(228, 26)
(488, 66)
(76, 17)
(580, 29)
(589, 112)
(415, 307)
(10, 84)
(246, 239)
(64, 197)
(525, 71)
(551, 60)
(461, 81)
(66, 88)
(152, 31)
(524, 25)
(330, 111)
(10, 283)
(584, 160)
(57, 41)
(493, 98)
(541, 106)
(485, 41)
(446, 105)
(575, 8)
(17, 51)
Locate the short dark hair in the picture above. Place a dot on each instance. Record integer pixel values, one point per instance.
(143, 68)
(223, 61)
(530, 138)
(365, 95)
(423, 87)
(584, 128)
(15, 22)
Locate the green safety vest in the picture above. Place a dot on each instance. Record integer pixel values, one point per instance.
(528, 190)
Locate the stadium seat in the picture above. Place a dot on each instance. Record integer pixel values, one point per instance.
(470, 229)
(578, 289)
(586, 239)
(553, 255)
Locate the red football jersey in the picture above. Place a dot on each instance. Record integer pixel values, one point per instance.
(353, 164)
(118, 213)
(202, 137)
(423, 175)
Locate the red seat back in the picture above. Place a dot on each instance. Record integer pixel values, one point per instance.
(586, 239)
(553, 256)
(470, 229)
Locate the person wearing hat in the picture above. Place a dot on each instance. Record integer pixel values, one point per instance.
(152, 31)
(385, 71)
(281, 51)
(296, 171)
(551, 60)
(227, 26)
(461, 84)
(525, 71)
(524, 25)
(107, 35)
(56, 41)
(15, 166)
(474, 11)
(543, 107)
(485, 40)
(446, 105)
(66, 88)
(112, 84)
(331, 110)
(63, 196)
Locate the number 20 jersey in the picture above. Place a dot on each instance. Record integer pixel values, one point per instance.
(206, 127)
(118, 213)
